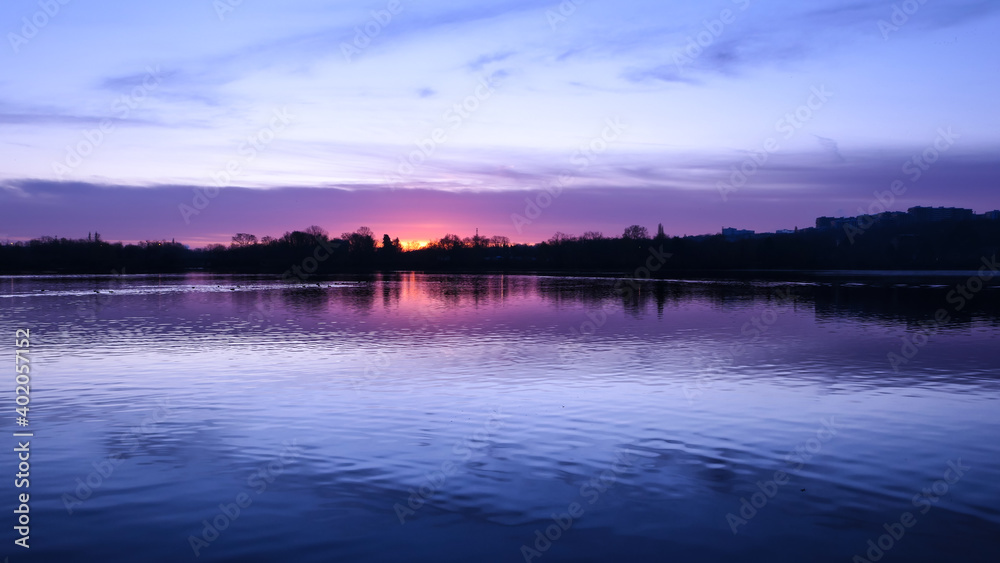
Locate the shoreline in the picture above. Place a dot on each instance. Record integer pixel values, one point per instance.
(690, 276)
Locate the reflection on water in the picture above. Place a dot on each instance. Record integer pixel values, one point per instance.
(507, 418)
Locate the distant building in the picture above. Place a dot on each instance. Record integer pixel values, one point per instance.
(785, 232)
(893, 216)
(835, 222)
(862, 222)
(992, 215)
(736, 234)
(930, 214)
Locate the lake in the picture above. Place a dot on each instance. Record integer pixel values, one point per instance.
(412, 417)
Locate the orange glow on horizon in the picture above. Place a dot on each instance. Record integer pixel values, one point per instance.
(414, 244)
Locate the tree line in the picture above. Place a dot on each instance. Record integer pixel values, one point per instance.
(960, 244)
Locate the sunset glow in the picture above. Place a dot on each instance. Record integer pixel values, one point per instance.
(635, 112)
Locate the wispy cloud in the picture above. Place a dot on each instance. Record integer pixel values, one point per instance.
(481, 62)
(830, 146)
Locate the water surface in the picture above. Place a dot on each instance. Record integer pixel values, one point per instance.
(462, 418)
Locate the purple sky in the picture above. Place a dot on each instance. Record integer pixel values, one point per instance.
(449, 116)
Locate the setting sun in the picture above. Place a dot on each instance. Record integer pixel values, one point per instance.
(415, 244)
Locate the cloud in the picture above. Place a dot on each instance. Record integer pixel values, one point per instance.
(791, 190)
(661, 73)
(733, 55)
(930, 15)
(23, 115)
(126, 82)
(760, 38)
(831, 147)
(46, 118)
(484, 60)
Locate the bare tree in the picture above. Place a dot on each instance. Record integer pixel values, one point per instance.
(561, 237)
(635, 232)
(499, 241)
(241, 240)
(318, 232)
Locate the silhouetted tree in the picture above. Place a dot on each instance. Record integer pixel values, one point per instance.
(390, 246)
(318, 232)
(479, 241)
(241, 240)
(450, 242)
(635, 232)
(892, 242)
(560, 238)
(361, 246)
(499, 241)
(297, 239)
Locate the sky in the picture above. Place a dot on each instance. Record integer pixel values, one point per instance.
(197, 119)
